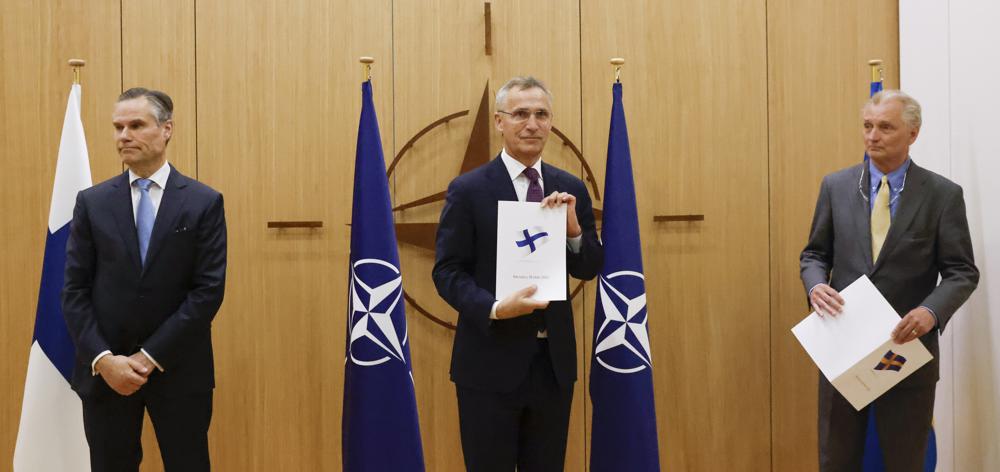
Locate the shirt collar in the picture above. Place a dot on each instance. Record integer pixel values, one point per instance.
(515, 168)
(159, 177)
(896, 177)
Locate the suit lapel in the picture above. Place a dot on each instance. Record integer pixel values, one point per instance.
(499, 181)
(121, 208)
(549, 181)
(166, 215)
(910, 200)
(862, 215)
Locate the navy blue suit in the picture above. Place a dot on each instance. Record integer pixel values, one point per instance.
(496, 356)
(112, 302)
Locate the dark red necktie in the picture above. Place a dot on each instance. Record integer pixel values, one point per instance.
(535, 192)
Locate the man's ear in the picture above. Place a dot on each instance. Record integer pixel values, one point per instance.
(914, 132)
(168, 129)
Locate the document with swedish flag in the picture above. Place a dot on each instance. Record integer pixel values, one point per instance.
(531, 249)
(854, 349)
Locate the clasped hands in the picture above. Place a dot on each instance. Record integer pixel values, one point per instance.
(918, 322)
(125, 374)
(520, 302)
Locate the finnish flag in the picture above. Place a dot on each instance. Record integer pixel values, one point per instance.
(50, 435)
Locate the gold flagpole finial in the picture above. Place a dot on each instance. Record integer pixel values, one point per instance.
(618, 62)
(876, 65)
(367, 61)
(76, 64)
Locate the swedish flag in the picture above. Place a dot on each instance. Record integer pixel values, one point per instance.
(891, 361)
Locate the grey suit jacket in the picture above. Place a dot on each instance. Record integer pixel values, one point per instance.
(928, 237)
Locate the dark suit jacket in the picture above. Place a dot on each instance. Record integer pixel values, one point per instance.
(494, 355)
(928, 237)
(111, 302)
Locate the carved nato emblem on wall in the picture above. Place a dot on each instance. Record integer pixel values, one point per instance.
(421, 236)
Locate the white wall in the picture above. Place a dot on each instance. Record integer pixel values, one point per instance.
(950, 62)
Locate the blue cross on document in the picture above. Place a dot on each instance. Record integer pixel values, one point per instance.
(529, 239)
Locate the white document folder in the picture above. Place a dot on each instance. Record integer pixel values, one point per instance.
(854, 349)
(531, 249)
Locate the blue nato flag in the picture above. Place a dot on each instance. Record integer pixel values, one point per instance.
(621, 377)
(873, 460)
(380, 427)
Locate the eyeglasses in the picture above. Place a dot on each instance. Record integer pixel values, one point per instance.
(861, 187)
(521, 115)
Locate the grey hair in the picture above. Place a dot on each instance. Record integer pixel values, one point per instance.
(521, 83)
(163, 106)
(911, 108)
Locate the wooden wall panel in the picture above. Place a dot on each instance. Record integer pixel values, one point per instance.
(818, 82)
(696, 104)
(438, 55)
(279, 96)
(729, 118)
(38, 38)
(542, 39)
(443, 44)
(158, 43)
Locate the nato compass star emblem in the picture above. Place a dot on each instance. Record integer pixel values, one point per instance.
(376, 289)
(622, 342)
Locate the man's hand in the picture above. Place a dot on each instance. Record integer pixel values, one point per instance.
(519, 303)
(123, 374)
(555, 199)
(142, 359)
(825, 300)
(918, 322)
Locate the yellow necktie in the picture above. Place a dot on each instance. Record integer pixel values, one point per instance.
(880, 218)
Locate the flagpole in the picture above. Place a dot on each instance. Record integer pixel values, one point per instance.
(367, 61)
(618, 62)
(76, 64)
(876, 66)
(623, 434)
(379, 403)
(50, 434)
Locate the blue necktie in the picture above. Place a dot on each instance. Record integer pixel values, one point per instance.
(144, 217)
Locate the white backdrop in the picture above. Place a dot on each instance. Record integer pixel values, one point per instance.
(950, 61)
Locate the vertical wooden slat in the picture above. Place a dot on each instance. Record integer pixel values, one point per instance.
(38, 38)
(279, 95)
(695, 100)
(818, 81)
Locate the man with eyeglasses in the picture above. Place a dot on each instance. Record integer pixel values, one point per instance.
(514, 360)
(903, 226)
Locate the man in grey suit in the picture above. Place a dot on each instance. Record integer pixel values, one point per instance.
(903, 226)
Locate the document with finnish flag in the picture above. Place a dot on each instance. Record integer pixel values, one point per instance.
(854, 349)
(531, 249)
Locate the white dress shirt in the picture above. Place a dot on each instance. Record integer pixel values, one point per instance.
(159, 179)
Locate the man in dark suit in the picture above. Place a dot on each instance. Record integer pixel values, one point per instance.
(903, 226)
(514, 360)
(145, 275)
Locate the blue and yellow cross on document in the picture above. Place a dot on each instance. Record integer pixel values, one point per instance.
(891, 361)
